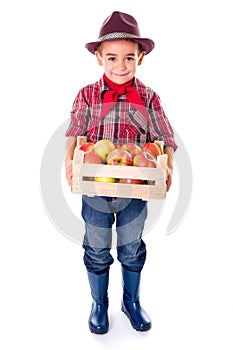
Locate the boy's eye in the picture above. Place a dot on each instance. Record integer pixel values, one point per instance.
(129, 58)
(111, 58)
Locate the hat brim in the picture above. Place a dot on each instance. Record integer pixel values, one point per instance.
(147, 44)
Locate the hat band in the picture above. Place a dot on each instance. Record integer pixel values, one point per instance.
(118, 35)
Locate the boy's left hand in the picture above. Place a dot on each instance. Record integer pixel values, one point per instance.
(169, 151)
(169, 178)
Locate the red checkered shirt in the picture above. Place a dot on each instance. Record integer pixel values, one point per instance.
(123, 123)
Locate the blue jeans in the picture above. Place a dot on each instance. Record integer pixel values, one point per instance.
(99, 214)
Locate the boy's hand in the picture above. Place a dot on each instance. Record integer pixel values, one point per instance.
(70, 146)
(69, 172)
(169, 178)
(169, 151)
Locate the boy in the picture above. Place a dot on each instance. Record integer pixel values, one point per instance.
(119, 108)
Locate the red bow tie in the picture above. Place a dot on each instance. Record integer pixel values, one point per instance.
(131, 93)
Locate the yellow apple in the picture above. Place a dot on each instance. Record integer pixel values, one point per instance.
(119, 157)
(105, 179)
(102, 148)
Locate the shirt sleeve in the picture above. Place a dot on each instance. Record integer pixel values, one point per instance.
(78, 117)
(161, 129)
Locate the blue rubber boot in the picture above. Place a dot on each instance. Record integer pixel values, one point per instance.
(98, 320)
(130, 303)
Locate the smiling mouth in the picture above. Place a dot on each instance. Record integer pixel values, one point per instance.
(120, 75)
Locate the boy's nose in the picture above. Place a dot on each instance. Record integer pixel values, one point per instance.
(121, 65)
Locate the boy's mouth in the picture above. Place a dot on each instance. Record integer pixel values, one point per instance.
(120, 74)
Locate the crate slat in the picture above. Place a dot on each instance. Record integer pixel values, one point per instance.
(144, 192)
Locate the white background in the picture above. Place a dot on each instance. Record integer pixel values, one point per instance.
(187, 280)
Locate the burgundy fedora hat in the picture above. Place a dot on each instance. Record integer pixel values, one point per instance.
(120, 25)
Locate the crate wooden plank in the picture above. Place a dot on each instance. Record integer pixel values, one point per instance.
(120, 190)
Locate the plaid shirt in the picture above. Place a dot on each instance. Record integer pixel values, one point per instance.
(123, 123)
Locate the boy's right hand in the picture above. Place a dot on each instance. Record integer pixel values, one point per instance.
(70, 146)
(69, 172)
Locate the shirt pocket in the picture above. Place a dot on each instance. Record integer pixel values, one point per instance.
(135, 128)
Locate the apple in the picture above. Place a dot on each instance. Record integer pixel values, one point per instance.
(87, 146)
(105, 179)
(91, 158)
(151, 148)
(132, 181)
(102, 148)
(132, 148)
(119, 157)
(145, 159)
(160, 145)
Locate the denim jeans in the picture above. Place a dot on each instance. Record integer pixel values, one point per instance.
(99, 214)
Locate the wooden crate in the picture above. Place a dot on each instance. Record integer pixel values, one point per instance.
(84, 174)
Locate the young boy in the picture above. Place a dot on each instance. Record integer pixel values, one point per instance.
(120, 108)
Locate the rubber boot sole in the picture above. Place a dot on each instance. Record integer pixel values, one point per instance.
(99, 332)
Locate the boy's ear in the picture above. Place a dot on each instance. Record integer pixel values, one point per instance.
(99, 58)
(142, 54)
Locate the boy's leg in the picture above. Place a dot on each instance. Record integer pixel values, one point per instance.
(98, 320)
(98, 219)
(132, 255)
(131, 249)
(131, 304)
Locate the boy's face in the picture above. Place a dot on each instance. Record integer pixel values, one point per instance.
(120, 59)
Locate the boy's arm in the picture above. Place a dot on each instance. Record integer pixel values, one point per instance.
(70, 146)
(169, 151)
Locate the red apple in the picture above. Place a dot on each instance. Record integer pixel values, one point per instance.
(102, 148)
(87, 146)
(151, 148)
(145, 159)
(119, 157)
(132, 181)
(132, 148)
(91, 158)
